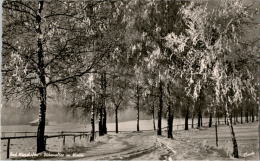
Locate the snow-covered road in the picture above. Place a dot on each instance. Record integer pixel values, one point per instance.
(123, 146)
(145, 146)
(186, 145)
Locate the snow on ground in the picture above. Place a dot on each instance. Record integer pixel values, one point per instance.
(201, 143)
(191, 145)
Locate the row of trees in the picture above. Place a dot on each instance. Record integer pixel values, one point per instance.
(158, 56)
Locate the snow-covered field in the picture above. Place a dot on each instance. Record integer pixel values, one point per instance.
(193, 144)
(123, 126)
(200, 144)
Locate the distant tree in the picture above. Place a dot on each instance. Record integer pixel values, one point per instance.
(113, 44)
(138, 93)
(118, 94)
(152, 21)
(150, 95)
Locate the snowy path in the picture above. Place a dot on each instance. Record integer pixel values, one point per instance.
(186, 145)
(147, 146)
(124, 146)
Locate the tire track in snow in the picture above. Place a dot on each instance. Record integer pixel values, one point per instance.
(128, 146)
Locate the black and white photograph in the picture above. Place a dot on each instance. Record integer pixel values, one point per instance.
(130, 80)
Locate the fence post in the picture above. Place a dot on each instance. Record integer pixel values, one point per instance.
(8, 147)
(61, 133)
(63, 140)
(45, 140)
(74, 138)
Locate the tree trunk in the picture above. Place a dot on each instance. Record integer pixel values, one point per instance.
(216, 132)
(41, 126)
(170, 121)
(201, 124)
(235, 147)
(100, 123)
(154, 128)
(43, 87)
(116, 119)
(253, 118)
(247, 116)
(192, 121)
(199, 120)
(230, 119)
(104, 124)
(225, 119)
(159, 130)
(217, 115)
(241, 116)
(258, 105)
(100, 119)
(210, 119)
(187, 119)
(137, 107)
(92, 121)
(234, 118)
(137, 118)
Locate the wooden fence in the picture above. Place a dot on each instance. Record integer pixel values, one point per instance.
(82, 134)
(29, 133)
(204, 124)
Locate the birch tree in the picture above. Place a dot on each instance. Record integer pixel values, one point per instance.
(213, 50)
(50, 48)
